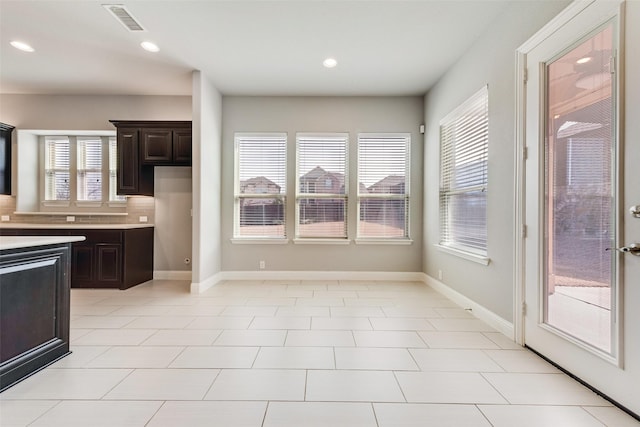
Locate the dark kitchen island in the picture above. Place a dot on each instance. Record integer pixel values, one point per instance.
(34, 303)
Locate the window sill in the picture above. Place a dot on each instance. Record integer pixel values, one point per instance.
(470, 256)
(311, 241)
(87, 204)
(384, 242)
(56, 213)
(267, 241)
(56, 203)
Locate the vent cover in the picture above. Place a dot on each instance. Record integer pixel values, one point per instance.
(123, 16)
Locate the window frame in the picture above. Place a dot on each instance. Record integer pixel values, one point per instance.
(405, 196)
(447, 175)
(237, 195)
(106, 204)
(299, 195)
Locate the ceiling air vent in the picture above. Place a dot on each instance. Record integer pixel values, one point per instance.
(123, 16)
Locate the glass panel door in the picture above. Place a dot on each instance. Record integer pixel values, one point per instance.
(579, 193)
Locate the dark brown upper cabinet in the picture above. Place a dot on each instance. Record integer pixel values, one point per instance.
(166, 146)
(145, 144)
(5, 158)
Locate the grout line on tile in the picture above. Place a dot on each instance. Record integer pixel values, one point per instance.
(399, 386)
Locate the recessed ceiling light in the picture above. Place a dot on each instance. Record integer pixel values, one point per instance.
(149, 46)
(329, 62)
(22, 46)
(584, 60)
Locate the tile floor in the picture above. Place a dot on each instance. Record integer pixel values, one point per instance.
(291, 353)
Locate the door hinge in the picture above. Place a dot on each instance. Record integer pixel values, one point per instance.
(524, 308)
(525, 75)
(525, 153)
(524, 231)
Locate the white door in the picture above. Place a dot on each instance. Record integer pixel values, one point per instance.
(582, 295)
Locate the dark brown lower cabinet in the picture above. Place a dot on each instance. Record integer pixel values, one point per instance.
(34, 309)
(114, 258)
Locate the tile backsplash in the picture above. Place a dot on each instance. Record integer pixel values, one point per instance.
(136, 207)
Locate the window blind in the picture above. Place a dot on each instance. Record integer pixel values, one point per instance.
(113, 172)
(260, 187)
(321, 193)
(464, 143)
(383, 185)
(57, 163)
(89, 152)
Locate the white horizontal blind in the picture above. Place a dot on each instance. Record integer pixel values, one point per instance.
(89, 150)
(321, 193)
(113, 174)
(383, 185)
(260, 187)
(464, 142)
(57, 163)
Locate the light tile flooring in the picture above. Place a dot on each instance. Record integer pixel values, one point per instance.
(303, 354)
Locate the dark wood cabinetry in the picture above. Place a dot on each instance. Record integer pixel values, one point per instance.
(114, 258)
(34, 325)
(145, 144)
(97, 262)
(5, 158)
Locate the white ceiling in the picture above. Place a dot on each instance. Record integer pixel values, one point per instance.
(387, 47)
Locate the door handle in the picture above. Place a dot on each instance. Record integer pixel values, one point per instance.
(633, 249)
(635, 211)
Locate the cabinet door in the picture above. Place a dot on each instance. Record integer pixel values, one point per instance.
(128, 161)
(108, 264)
(82, 265)
(156, 146)
(182, 147)
(5, 158)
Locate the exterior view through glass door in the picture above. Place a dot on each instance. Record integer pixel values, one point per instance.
(581, 296)
(579, 192)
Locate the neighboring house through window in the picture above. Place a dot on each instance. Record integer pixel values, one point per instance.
(464, 142)
(321, 193)
(383, 185)
(260, 185)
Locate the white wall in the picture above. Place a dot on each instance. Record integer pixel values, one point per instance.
(173, 198)
(207, 118)
(491, 60)
(322, 114)
(88, 112)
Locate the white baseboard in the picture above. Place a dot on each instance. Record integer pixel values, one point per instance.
(479, 311)
(304, 275)
(322, 275)
(172, 275)
(199, 287)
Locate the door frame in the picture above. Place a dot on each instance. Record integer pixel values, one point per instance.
(520, 228)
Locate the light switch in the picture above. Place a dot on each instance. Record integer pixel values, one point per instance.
(71, 218)
(143, 218)
(5, 218)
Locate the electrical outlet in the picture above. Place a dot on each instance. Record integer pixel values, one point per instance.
(143, 218)
(262, 264)
(439, 274)
(71, 218)
(5, 218)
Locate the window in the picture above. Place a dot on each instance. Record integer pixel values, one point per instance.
(464, 140)
(260, 185)
(57, 165)
(113, 174)
(75, 170)
(89, 169)
(383, 186)
(321, 193)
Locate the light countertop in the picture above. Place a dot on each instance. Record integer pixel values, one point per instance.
(72, 226)
(16, 242)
